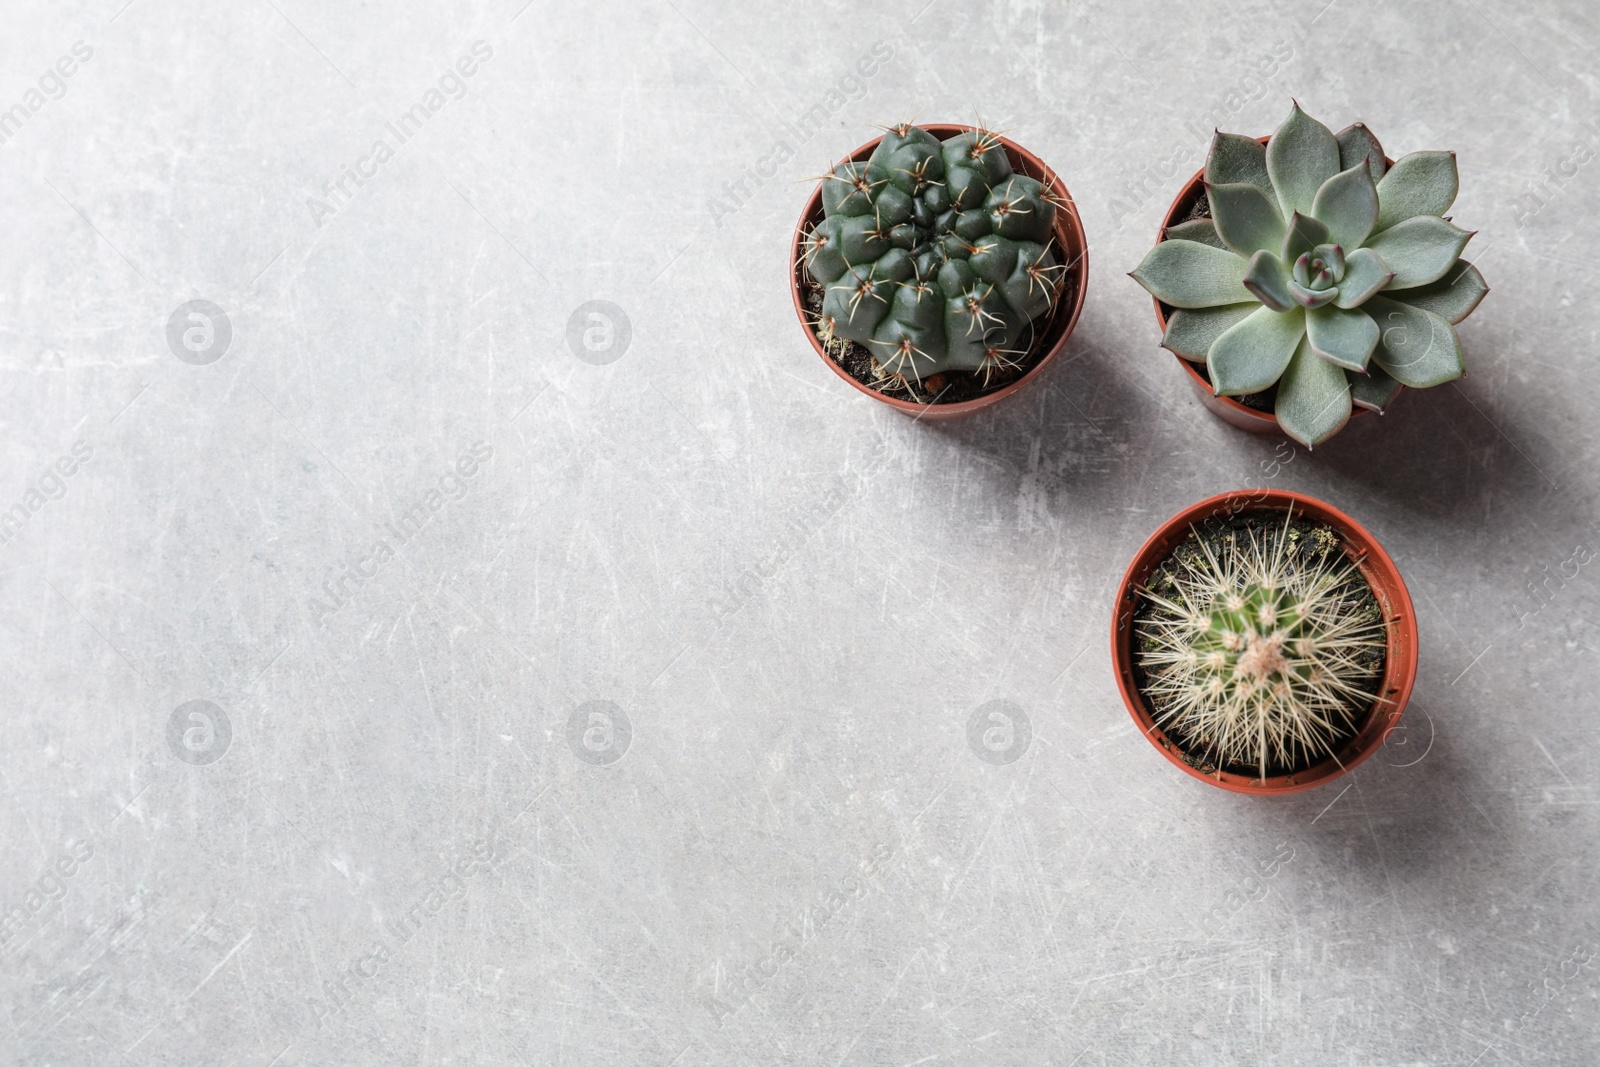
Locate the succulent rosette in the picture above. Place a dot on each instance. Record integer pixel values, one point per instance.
(1321, 270)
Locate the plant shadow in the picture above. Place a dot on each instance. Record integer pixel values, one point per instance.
(1398, 456)
(1084, 424)
(1403, 820)
(1099, 428)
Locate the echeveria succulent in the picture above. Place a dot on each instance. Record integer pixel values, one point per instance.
(1321, 270)
(934, 255)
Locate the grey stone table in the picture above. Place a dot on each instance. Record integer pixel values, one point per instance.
(589, 683)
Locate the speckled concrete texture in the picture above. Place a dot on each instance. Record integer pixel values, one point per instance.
(452, 616)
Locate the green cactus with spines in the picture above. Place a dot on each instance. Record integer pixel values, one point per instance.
(1262, 647)
(934, 254)
(1321, 270)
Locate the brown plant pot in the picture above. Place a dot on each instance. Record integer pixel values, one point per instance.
(1400, 661)
(1074, 248)
(1225, 408)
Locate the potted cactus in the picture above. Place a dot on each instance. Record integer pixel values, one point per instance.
(1264, 642)
(938, 268)
(1303, 276)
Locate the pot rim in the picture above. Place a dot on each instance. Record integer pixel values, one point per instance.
(1381, 574)
(1069, 234)
(1200, 380)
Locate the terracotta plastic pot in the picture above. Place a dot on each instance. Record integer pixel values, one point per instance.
(1225, 408)
(1072, 248)
(1400, 662)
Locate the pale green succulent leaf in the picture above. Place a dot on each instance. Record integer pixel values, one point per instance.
(1250, 355)
(1301, 155)
(1365, 274)
(1313, 398)
(1419, 250)
(1311, 298)
(1417, 347)
(1201, 231)
(1453, 297)
(1303, 234)
(1246, 220)
(1356, 143)
(1187, 274)
(1190, 333)
(1347, 204)
(1235, 159)
(1374, 390)
(1422, 183)
(1333, 256)
(1268, 282)
(1343, 337)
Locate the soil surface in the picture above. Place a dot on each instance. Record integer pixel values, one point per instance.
(1312, 542)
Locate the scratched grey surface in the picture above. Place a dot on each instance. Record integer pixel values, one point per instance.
(771, 842)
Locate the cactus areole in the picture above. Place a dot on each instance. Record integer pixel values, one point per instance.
(1264, 642)
(941, 261)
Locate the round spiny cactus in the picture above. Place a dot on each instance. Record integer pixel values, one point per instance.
(1261, 648)
(934, 255)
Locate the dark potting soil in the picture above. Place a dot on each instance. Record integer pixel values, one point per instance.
(1197, 206)
(951, 387)
(1311, 543)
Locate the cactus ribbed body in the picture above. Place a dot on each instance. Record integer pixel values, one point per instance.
(934, 255)
(1261, 648)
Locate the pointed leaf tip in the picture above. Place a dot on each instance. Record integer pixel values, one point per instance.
(1188, 274)
(1421, 183)
(1419, 250)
